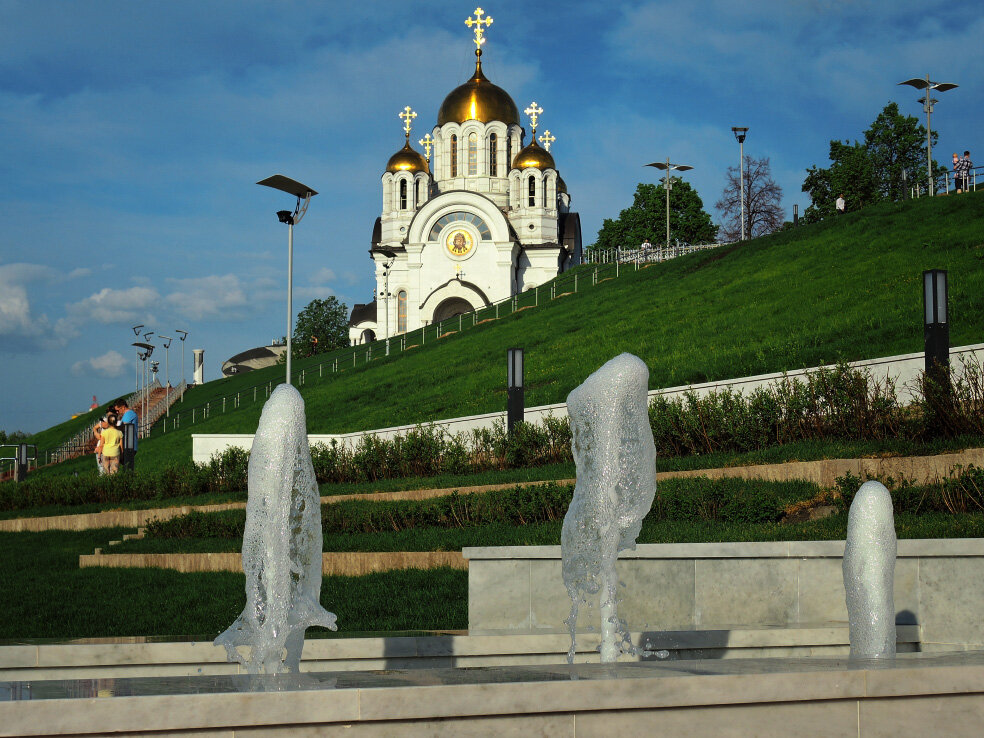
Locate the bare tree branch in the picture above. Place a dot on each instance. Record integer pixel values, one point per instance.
(763, 201)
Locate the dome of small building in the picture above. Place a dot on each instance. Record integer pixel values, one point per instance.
(407, 160)
(533, 156)
(478, 99)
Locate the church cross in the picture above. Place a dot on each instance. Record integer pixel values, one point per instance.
(478, 21)
(534, 112)
(427, 142)
(459, 271)
(407, 116)
(546, 139)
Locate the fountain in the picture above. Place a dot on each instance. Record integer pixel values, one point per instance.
(869, 573)
(281, 545)
(616, 483)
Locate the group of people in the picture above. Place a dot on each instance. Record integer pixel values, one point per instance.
(961, 172)
(109, 436)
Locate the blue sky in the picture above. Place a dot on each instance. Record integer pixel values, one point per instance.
(131, 136)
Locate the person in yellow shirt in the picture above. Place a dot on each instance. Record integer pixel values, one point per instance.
(112, 442)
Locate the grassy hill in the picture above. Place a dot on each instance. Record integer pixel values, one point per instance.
(848, 288)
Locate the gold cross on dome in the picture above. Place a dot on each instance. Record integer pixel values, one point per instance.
(534, 112)
(478, 21)
(546, 139)
(427, 142)
(407, 116)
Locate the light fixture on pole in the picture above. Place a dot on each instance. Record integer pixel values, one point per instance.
(301, 192)
(928, 102)
(144, 355)
(936, 322)
(136, 361)
(740, 132)
(387, 265)
(167, 373)
(667, 167)
(182, 335)
(515, 400)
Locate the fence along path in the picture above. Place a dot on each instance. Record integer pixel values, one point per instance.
(603, 266)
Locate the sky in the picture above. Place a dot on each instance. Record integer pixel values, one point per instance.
(132, 136)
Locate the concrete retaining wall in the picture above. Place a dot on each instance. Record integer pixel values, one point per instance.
(903, 369)
(939, 586)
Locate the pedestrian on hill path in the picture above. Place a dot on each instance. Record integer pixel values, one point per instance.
(128, 417)
(840, 204)
(112, 442)
(97, 432)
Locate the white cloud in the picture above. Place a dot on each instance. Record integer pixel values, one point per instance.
(110, 364)
(20, 326)
(216, 296)
(111, 305)
(323, 276)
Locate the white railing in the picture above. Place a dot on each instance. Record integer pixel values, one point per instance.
(652, 254)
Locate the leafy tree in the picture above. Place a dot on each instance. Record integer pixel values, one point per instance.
(326, 320)
(646, 218)
(872, 171)
(763, 201)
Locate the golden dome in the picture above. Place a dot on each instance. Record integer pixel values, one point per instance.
(478, 99)
(407, 160)
(535, 156)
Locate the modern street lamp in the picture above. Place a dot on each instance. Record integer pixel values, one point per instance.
(928, 102)
(387, 265)
(136, 361)
(740, 132)
(182, 335)
(301, 192)
(936, 323)
(144, 355)
(667, 167)
(167, 373)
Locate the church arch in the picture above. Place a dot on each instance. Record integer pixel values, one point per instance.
(368, 336)
(493, 155)
(531, 187)
(454, 155)
(458, 201)
(401, 311)
(472, 154)
(403, 194)
(450, 308)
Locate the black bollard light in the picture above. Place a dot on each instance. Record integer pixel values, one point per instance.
(20, 463)
(936, 331)
(515, 403)
(129, 444)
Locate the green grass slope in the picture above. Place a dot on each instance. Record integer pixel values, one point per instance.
(848, 288)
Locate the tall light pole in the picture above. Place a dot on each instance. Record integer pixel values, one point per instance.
(143, 356)
(136, 365)
(387, 266)
(668, 186)
(182, 335)
(928, 102)
(167, 373)
(301, 192)
(740, 132)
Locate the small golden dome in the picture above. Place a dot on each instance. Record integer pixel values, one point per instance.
(478, 99)
(535, 156)
(407, 160)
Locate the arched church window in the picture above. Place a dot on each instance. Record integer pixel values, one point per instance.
(508, 150)
(416, 194)
(403, 194)
(472, 154)
(454, 156)
(483, 229)
(401, 311)
(532, 186)
(493, 156)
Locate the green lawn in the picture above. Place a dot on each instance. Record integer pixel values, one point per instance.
(848, 289)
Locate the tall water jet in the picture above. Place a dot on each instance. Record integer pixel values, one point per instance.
(616, 483)
(282, 544)
(869, 573)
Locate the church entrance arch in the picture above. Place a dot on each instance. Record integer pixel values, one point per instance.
(450, 308)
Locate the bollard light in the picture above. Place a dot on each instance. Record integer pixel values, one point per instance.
(936, 322)
(515, 403)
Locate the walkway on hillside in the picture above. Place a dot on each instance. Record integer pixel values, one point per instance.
(918, 469)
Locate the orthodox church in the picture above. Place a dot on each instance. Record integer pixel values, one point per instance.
(484, 218)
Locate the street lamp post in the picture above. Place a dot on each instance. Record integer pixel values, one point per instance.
(143, 356)
(182, 335)
(301, 192)
(669, 185)
(928, 102)
(136, 361)
(167, 373)
(740, 132)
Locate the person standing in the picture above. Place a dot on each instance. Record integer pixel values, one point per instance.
(128, 417)
(112, 445)
(965, 166)
(97, 432)
(840, 204)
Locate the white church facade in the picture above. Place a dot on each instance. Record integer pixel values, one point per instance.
(486, 217)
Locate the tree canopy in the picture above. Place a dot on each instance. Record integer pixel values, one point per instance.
(645, 219)
(326, 320)
(871, 171)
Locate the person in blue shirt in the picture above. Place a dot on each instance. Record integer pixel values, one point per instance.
(128, 416)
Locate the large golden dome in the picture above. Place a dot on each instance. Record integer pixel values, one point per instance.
(407, 160)
(535, 156)
(478, 99)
